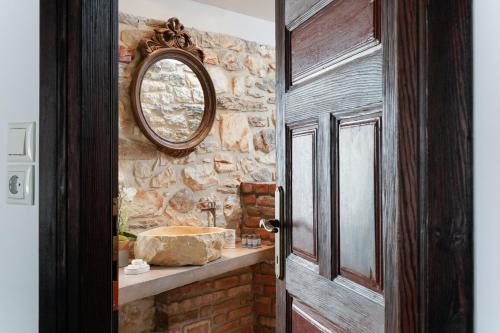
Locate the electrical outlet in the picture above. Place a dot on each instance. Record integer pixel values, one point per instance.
(20, 184)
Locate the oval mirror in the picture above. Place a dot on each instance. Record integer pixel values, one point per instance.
(173, 97)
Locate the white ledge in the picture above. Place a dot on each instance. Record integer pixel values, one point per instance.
(161, 279)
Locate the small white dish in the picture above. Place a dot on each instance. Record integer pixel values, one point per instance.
(138, 266)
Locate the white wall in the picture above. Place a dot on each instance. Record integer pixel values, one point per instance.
(487, 165)
(19, 64)
(203, 17)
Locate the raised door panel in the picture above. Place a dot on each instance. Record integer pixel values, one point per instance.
(358, 201)
(339, 30)
(302, 155)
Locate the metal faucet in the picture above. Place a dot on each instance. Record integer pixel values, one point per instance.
(210, 209)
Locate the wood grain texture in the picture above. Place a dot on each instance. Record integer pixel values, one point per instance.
(400, 174)
(337, 31)
(448, 301)
(283, 303)
(352, 311)
(78, 115)
(349, 86)
(305, 319)
(303, 192)
(358, 198)
(297, 8)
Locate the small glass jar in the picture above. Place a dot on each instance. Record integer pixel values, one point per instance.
(259, 241)
(244, 240)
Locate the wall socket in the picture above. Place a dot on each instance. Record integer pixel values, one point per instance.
(20, 184)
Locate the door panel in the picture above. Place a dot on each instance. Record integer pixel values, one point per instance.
(332, 121)
(303, 204)
(333, 33)
(358, 200)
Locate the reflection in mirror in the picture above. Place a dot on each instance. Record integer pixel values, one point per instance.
(172, 100)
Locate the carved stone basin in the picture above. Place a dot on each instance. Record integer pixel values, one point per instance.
(180, 245)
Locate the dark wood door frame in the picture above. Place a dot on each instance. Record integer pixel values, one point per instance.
(428, 89)
(428, 104)
(78, 164)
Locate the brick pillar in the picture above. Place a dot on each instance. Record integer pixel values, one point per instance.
(257, 201)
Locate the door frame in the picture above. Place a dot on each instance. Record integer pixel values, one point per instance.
(428, 88)
(78, 165)
(428, 96)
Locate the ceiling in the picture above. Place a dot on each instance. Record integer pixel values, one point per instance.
(263, 9)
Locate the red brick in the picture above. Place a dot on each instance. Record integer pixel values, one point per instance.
(247, 277)
(252, 222)
(249, 199)
(267, 321)
(262, 308)
(266, 201)
(262, 188)
(267, 212)
(220, 318)
(262, 299)
(246, 188)
(226, 282)
(269, 280)
(270, 290)
(227, 327)
(258, 288)
(239, 290)
(247, 329)
(263, 234)
(247, 320)
(272, 188)
(179, 318)
(230, 303)
(253, 211)
(241, 312)
(267, 268)
(199, 327)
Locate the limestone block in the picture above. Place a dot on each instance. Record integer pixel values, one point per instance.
(180, 245)
(257, 121)
(165, 178)
(219, 78)
(235, 132)
(200, 177)
(265, 140)
(232, 209)
(239, 104)
(143, 203)
(224, 162)
(182, 201)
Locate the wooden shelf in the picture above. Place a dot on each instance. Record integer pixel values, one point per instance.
(161, 279)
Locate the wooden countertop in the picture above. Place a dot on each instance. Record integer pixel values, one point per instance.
(161, 279)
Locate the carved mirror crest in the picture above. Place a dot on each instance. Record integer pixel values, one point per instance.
(173, 96)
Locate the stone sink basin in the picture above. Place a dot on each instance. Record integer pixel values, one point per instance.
(180, 245)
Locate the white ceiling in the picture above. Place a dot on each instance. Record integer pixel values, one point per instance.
(263, 9)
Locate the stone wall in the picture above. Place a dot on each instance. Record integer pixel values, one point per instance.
(242, 301)
(161, 190)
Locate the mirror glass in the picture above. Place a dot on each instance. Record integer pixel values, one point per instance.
(172, 100)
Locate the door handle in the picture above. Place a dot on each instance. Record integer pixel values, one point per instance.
(272, 226)
(276, 226)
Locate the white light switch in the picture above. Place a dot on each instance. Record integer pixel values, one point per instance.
(17, 141)
(20, 184)
(21, 142)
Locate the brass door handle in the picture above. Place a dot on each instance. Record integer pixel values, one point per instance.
(270, 226)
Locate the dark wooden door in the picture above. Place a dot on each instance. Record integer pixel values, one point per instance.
(330, 141)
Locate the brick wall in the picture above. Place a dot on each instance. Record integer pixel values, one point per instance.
(257, 201)
(242, 301)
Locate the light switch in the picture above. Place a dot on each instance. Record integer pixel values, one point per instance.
(17, 141)
(21, 142)
(20, 184)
